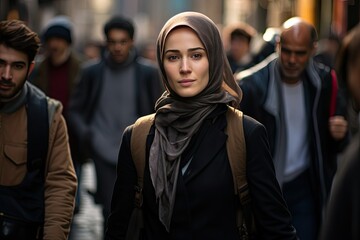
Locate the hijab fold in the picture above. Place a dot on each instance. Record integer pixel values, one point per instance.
(177, 119)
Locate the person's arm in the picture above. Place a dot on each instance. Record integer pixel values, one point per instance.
(60, 182)
(77, 111)
(247, 104)
(123, 199)
(272, 218)
(254, 90)
(338, 125)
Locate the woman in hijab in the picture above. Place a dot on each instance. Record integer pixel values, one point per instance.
(188, 189)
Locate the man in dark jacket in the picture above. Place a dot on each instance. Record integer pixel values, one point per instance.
(298, 102)
(56, 73)
(112, 94)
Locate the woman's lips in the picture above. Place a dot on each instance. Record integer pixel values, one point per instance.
(186, 82)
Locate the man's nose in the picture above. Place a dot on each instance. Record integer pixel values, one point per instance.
(6, 74)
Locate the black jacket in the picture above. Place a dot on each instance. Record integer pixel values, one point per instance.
(87, 92)
(342, 219)
(205, 205)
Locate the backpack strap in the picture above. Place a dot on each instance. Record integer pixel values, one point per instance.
(139, 134)
(37, 129)
(236, 150)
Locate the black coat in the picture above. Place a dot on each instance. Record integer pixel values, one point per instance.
(205, 206)
(342, 219)
(87, 91)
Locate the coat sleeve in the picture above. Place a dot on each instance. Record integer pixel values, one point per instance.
(79, 105)
(60, 182)
(254, 93)
(272, 217)
(342, 215)
(122, 202)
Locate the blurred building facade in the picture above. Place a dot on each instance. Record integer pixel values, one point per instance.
(336, 16)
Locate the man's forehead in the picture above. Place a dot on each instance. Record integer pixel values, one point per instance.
(297, 34)
(11, 55)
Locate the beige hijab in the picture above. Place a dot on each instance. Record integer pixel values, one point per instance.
(177, 119)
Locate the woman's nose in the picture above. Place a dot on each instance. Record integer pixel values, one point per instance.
(185, 67)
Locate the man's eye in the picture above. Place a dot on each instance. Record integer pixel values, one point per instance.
(301, 53)
(284, 50)
(18, 66)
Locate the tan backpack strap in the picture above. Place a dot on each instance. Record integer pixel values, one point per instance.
(236, 148)
(139, 135)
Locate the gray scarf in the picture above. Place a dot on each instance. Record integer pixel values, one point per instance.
(16, 102)
(177, 119)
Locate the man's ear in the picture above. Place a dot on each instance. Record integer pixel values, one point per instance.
(277, 47)
(31, 67)
(314, 49)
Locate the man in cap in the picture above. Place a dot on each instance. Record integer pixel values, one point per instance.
(55, 75)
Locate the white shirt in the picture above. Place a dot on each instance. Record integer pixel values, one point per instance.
(297, 150)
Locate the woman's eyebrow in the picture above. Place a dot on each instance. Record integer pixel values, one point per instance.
(189, 50)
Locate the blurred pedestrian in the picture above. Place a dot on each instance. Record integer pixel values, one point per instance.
(93, 50)
(37, 177)
(327, 50)
(342, 218)
(188, 188)
(111, 94)
(341, 65)
(55, 75)
(148, 50)
(298, 102)
(239, 52)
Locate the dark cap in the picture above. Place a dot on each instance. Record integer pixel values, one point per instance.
(60, 27)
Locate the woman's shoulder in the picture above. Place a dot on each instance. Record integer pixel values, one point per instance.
(250, 124)
(253, 130)
(143, 126)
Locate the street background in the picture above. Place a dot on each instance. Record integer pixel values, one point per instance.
(87, 224)
(88, 16)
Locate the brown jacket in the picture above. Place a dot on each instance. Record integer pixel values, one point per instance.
(60, 178)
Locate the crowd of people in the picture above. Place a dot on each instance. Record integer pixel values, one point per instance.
(298, 111)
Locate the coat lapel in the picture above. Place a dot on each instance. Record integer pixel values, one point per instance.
(211, 144)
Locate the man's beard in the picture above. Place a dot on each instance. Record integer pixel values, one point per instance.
(15, 88)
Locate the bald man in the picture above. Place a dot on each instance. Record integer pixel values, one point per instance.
(298, 102)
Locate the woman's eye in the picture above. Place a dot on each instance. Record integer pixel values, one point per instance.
(197, 55)
(172, 58)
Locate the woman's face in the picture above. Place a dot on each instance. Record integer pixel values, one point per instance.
(185, 62)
